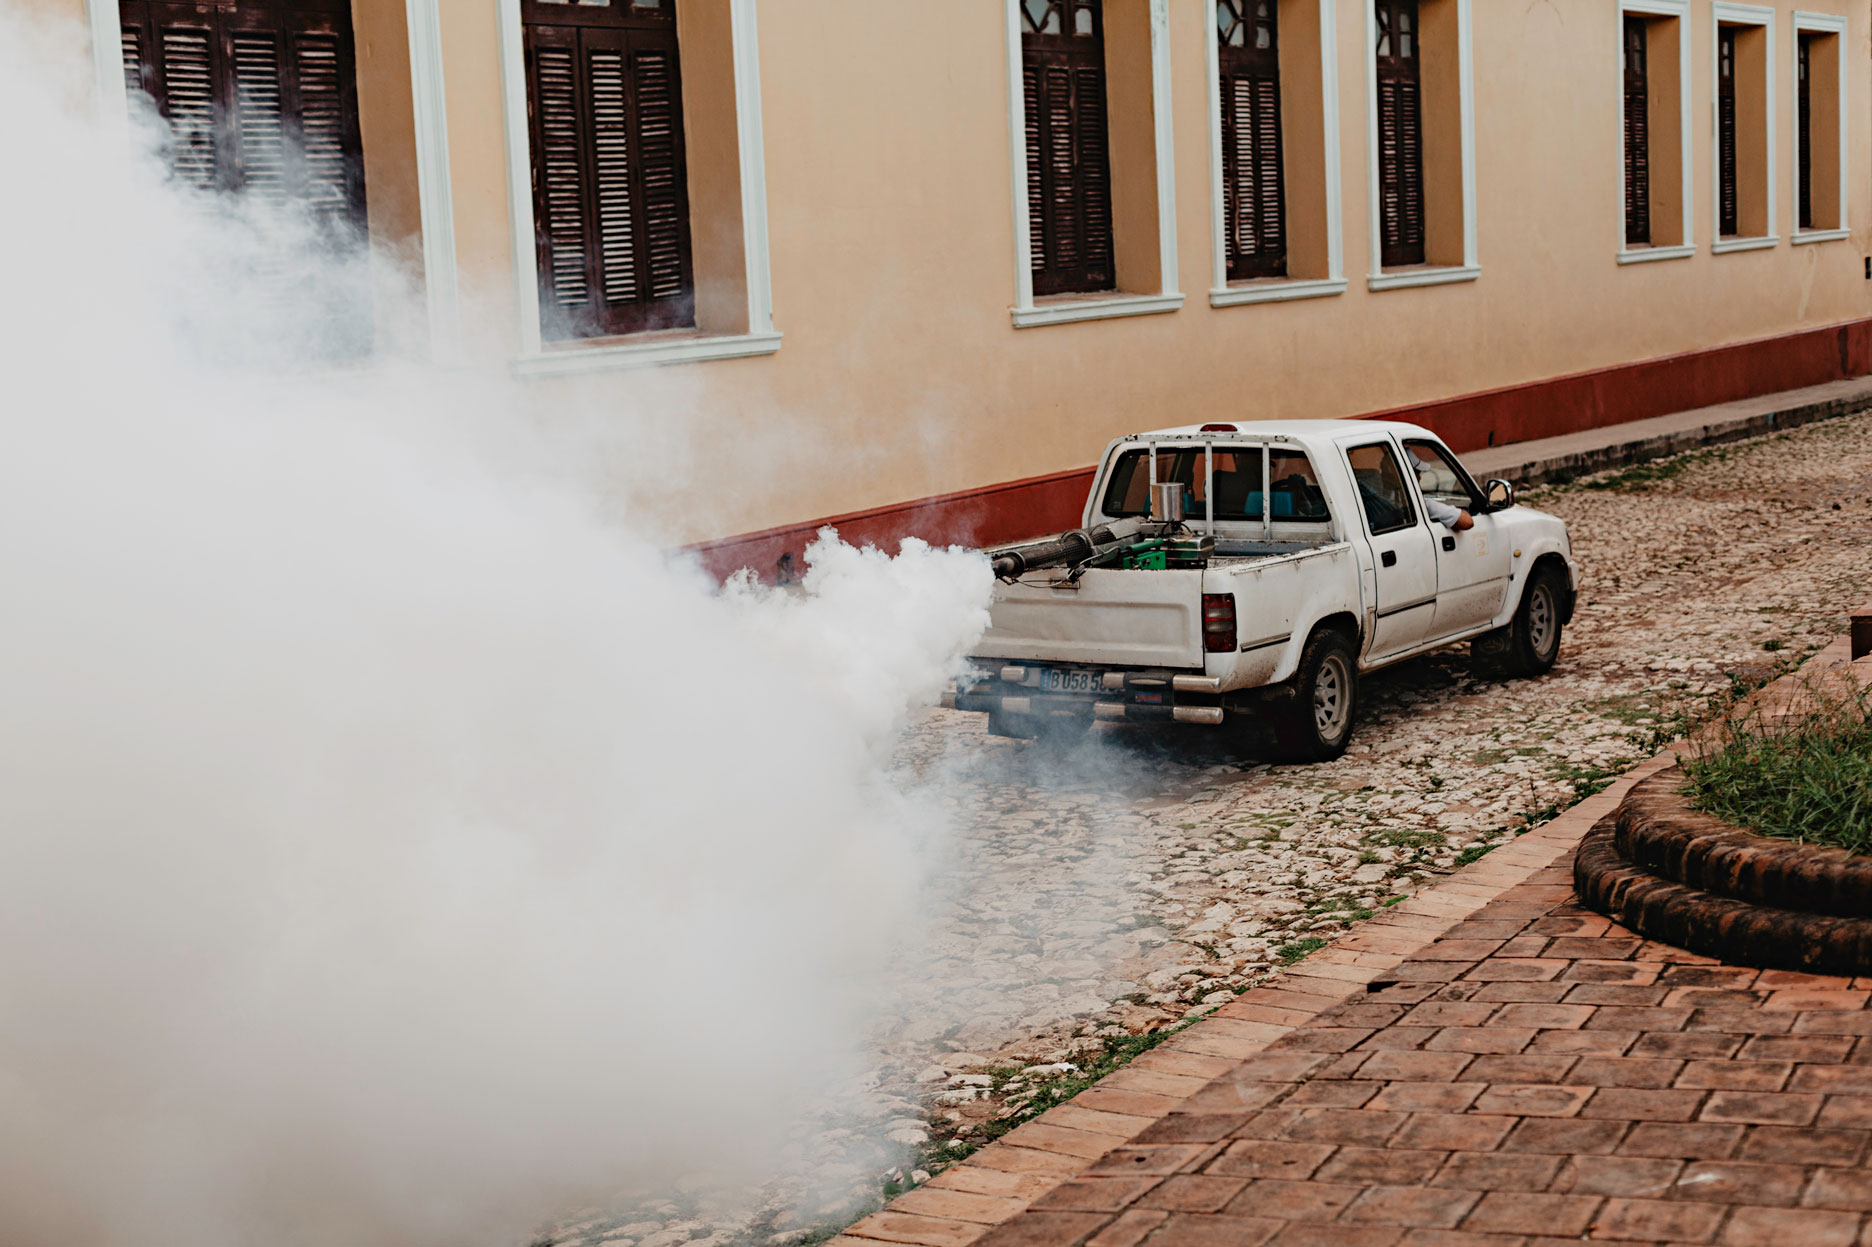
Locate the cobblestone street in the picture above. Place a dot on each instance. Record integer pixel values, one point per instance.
(1147, 875)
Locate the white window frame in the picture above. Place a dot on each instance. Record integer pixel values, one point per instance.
(1380, 278)
(1824, 24)
(1723, 14)
(1065, 308)
(434, 187)
(113, 102)
(663, 347)
(1680, 10)
(1222, 292)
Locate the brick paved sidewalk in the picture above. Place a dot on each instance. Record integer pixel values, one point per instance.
(1535, 1076)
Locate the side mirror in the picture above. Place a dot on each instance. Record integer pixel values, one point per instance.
(1499, 494)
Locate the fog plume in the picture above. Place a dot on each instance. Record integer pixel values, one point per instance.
(393, 846)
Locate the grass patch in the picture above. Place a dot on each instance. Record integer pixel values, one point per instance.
(1806, 778)
(1296, 949)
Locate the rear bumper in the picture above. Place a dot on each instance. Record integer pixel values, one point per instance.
(1117, 696)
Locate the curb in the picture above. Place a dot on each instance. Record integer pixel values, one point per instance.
(1560, 466)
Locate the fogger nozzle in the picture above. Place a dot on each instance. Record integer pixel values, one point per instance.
(1074, 546)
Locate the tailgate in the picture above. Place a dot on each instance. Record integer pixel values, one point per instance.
(1118, 618)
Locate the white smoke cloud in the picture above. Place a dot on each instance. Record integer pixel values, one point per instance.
(391, 847)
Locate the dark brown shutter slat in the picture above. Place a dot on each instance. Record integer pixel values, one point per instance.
(1094, 164)
(1400, 135)
(186, 56)
(259, 114)
(1253, 179)
(1068, 156)
(1804, 122)
(319, 80)
(659, 130)
(560, 178)
(1637, 135)
(1728, 209)
(1036, 196)
(611, 177)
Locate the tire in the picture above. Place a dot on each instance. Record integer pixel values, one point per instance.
(1530, 643)
(1317, 723)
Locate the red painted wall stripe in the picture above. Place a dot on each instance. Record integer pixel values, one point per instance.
(1550, 408)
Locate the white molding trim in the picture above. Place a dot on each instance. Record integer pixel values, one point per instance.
(1825, 24)
(1222, 294)
(1276, 290)
(1724, 13)
(434, 187)
(611, 354)
(1641, 255)
(1026, 313)
(1679, 10)
(1471, 267)
(1430, 275)
(1066, 308)
(112, 100)
(536, 360)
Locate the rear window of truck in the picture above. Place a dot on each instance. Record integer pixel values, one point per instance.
(1295, 489)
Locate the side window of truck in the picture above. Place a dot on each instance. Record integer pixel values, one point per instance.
(1381, 488)
(1441, 477)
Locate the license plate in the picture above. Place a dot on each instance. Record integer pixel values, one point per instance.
(1053, 681)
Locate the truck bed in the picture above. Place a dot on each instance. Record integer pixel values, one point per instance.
(1125, 618)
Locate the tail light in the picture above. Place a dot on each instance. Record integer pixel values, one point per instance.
(1219, 623)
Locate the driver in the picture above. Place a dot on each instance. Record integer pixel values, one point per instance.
(1455, 519)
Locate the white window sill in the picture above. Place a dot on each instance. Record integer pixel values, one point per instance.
(653, 350)
(1762, 243)
(1819, 235)
(1428, 275)
(1641, 255)
(1070, 308)
(1276, 290)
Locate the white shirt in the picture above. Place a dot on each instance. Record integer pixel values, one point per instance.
(1442, 512)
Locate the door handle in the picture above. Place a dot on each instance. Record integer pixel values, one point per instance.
(1449, 543)
(1388, 558)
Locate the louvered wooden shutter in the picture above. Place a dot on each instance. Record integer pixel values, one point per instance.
(1068, 158)
(1637, 135)
(1254, 200)
(610, 188)
(1804, 136)
(1400, 135)
(1727, 211)
(260, 97)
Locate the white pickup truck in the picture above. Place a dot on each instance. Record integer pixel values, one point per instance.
(1254, 570)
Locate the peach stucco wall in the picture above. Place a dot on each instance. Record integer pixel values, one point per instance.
(888, 185)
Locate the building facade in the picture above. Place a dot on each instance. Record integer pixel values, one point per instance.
(912, 265)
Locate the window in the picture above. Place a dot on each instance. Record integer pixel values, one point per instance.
(1744, 141)
(610, 190)
(1400, 133)
(1637, 137)
(1294, 488)
(1819, 127)
(1726, 209)
(1253, 188)
(1421, 136)
(1441, 477)
(1656, 217)
(260, 98)
(1381, 488)
(1069, 212)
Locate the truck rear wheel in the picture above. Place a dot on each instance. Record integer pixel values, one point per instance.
(1316, 725)
(1530, 643)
